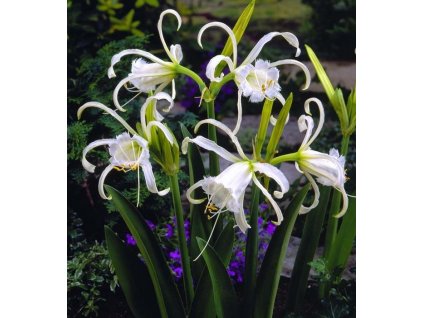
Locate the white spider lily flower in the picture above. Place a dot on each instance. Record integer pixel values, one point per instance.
(327, 168)
(226, 191)
(144, 76)
(126, 154)
(257, 81)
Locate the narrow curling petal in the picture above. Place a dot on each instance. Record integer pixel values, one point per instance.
(150, 180)
(321, 116)
(117, 57)
(305, 123)
(209, 145)
(240, 219)
(275, 174)
(212, 65)
(239, 118)
(107, 110)
(299, 64)
(226, 129)
(160, 29)
(315, 187)
(289, 37)
(103, 176)
(344, 204)
(191, 189)
(228, 30)
(101, 142)
(271, 200)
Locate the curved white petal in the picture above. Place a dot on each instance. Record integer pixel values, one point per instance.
(305, 123)
(321, 117)
(116, 58)
(289, 37)
(162, 127)
(107, 110)
(275, 174)
(191, 190)
(103, 176)
(173, 90)
(299, 64)
(214, 62)
(345, 203)
(273, 120)
(176, 51)
(315, 187)
(271, 200)
(228, 30)
(239, 118)
(150, 180)
(154, 99)
(101, 142)
(160, 29)
(240, 219)
(226, 129)
(209, 145)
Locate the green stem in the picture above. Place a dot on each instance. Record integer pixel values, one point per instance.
(251, 254)
(186, 266)
(186, 71)
(214, 159)
(332, 227)
(216, 86)
(288, 157)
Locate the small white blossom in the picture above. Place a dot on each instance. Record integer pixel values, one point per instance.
(226, 191)
(145, 76)
(327, 168)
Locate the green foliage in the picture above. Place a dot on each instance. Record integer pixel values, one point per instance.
(320, 266)
(331, 29)
(77, 139)
(91, 276)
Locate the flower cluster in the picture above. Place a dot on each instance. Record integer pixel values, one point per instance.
(255, 79)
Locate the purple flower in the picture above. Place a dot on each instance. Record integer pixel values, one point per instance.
(130, 240)
(270, 229)
(177, 271)
(263, 207)
(260, 221)
(151, 225)
(169, 231)
(175, 255)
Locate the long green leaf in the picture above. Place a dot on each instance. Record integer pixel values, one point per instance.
(271, 268)
(344, 240)
(203, 303)
(309, 242)
(278, 129)
(225, 300)
(133, 277)
(239, 30)
(200, 225)
(167, 294)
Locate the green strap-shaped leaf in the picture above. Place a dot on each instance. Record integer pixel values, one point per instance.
(278, 129)
(320, 71)
(133, 277)
(344, 242)
(200, 225)
(271, 268)
(238, 30)
(309, 242)
(225, 299)
(167, 294)
(203, 303)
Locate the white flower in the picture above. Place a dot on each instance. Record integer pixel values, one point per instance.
(328, 168)
(257, 81)
(126, 154)
(129, 153)
(145, 76)
(226, 191)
